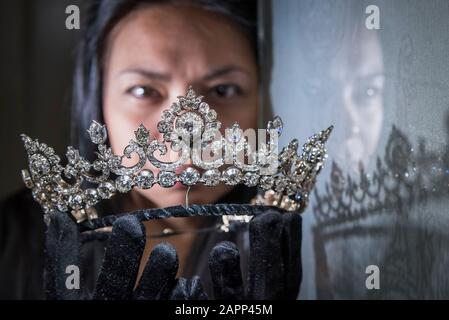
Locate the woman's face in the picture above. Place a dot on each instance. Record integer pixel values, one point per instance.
(361, 73)
(151, 58)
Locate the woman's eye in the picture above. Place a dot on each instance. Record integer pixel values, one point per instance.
(364, 95)
(226, 90)
(142, 92)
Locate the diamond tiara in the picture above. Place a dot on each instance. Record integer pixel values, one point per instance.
(189, 127)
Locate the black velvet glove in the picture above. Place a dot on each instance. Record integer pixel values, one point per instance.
(120, 266)
(274, 269)
(275, 260)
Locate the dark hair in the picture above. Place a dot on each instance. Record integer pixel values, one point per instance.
(102, 16)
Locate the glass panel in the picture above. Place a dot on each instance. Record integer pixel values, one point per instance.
(382, 199)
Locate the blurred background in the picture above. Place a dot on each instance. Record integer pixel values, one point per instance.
(383, 197)
(36, 64)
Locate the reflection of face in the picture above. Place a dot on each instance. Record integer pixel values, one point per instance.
(362, 96)
(152, 56)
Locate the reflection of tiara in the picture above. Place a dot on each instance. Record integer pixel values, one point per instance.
(61, 188)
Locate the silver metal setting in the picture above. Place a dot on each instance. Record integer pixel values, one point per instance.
(61, 188)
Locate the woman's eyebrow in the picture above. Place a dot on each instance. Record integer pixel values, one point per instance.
(223, 71)
(148, 74)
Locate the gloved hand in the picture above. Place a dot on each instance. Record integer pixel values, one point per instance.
(117, 278)
(275, 270)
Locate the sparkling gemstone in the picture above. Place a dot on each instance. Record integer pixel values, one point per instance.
(145, 179)
(163, 126)
(281, 184)
(297, 197)
(106, 190)
(176, 146)
(174, 136)
(211, 115)
(98, 165)
(166, 179)
(49, 151)
(82, 166)
(190, 93)
(91, 197)
(266, 182)
(290, 188)
(189, 101)
(276, 124)
(232, 176)
(294, 144)
(72, 155)
(57, 168)
(37, 195)
(234, 134)
(142, 135)
(54, 159)
(251, 179)
(216, 125)
(175, 107)
(168, 116)
(29, 144)
(124, 183)
(189, 123)
(211, 177)
(194, 104)
(203, 108)
(97, 133)
(76, 201)
(189, 176)
(114, 161)
(42, 147)
(39, 164)
(167, 136)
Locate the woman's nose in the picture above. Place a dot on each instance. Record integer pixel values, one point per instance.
(348, 114)
(177, 90)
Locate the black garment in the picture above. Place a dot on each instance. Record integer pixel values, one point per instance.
(22, 237)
